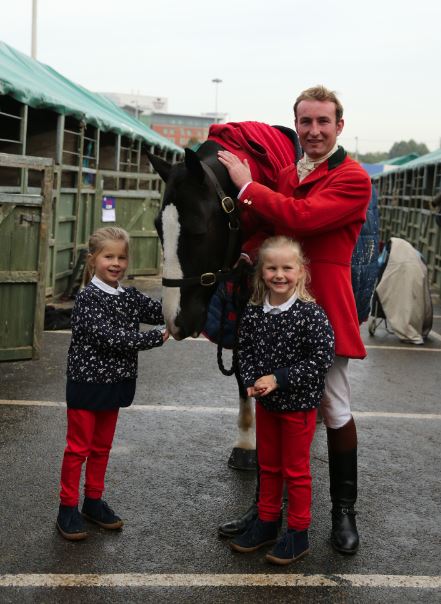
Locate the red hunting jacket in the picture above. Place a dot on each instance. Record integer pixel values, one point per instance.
(325, 212)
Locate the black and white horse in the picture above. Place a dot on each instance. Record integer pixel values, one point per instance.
(199, 228)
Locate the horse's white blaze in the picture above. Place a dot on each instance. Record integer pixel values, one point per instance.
(171, 297)
(171, 305)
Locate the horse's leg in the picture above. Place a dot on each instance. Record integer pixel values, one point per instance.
(243, 456)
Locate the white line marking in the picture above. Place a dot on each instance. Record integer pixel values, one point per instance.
(362, 414)
(214, 410)
(188, 408)
(234, 411)
(414, 348)
(218, 580)
(19, 403)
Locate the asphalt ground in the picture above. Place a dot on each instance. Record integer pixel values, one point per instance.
(168, 478)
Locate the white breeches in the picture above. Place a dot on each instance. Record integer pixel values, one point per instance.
(336, 402)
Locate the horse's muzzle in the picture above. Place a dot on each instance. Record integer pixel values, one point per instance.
(174, 331)
(179, 333)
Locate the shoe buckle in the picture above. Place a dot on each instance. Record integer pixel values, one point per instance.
(349, 511)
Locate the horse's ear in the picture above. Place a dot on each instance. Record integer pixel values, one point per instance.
(160, 165)
(193, 164)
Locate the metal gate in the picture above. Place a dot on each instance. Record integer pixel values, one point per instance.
(405, 198)
(24, 222)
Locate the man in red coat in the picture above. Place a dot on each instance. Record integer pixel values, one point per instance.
(321, 201)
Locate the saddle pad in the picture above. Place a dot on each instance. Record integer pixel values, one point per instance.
(267, 149)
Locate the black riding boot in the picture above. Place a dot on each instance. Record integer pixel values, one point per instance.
(343, 487)
(240, 525)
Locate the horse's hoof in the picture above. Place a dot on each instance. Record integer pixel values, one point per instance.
(243, 459)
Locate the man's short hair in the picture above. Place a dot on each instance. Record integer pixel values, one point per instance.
(320, 93)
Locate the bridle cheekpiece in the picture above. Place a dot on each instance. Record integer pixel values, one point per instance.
(229, 206)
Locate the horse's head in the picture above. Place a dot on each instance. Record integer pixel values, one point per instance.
(194, 231)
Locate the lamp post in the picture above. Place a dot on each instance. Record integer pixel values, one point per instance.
(34, 30)
(216, 82)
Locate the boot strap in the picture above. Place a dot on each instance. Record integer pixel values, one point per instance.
(349, 511)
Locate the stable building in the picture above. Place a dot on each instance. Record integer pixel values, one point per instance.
(71, 161)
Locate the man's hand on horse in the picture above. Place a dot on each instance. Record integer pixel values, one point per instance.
(239, 172)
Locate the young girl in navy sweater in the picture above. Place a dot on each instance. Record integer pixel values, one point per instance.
(286, 346)
(101, 376)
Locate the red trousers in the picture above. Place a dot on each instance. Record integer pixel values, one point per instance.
(283, 450)
(89, 439)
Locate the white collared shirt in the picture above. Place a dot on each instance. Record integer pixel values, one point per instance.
(276, 310)
(306, 165)
(239, 195)
(107, 288)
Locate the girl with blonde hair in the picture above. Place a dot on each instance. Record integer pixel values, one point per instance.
(286, 346)
(101, 376)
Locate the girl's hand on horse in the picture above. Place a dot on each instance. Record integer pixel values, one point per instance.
(165, 335)
(239, 172)
(265, 385)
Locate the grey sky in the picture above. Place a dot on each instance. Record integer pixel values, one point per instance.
(380, 56)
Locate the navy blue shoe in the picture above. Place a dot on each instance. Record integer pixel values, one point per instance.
(99, 512)
(291, 546)
(258, 534)
(70, 524)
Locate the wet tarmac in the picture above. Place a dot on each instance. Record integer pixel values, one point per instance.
(168, 478)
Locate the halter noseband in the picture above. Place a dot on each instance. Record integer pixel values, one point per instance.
(229, 206)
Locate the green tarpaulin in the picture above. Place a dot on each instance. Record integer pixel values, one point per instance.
(434, 157)
(40, 86)
(402, 159)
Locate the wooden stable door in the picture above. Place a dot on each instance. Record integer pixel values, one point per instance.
(24, 222)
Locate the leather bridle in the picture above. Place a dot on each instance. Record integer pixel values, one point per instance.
(229, 206)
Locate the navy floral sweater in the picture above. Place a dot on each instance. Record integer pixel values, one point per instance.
(102, 362)
(296, 345)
